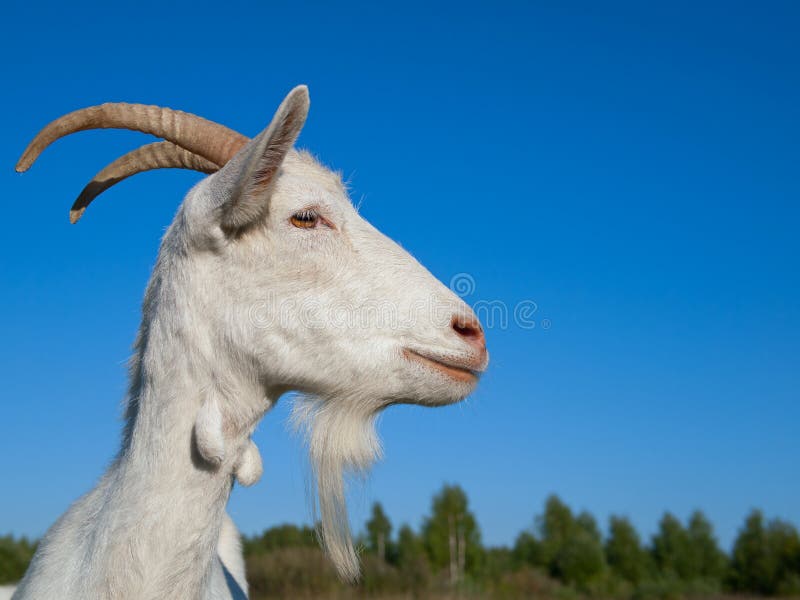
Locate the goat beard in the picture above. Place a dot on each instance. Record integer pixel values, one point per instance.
(342, 441)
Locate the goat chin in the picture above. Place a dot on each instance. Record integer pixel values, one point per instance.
(342, 441)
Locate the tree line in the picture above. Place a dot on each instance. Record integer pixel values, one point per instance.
(563, 554)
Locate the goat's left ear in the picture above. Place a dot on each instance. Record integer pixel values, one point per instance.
(250, 176)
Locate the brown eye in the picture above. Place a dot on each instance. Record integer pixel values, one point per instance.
(305, 219)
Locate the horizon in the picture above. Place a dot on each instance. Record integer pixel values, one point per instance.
(627, 174)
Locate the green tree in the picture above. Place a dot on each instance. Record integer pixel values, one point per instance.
(688, 553)
(624, 552)
(571, 547)
(706, 560)
(379, 531)
(555, 526)
(766, 557)
(784, 546)
(451, 535)
(751, 568)
(583, 559)
(410, 548)
(411, 559)
(527, 550)
(670, 548)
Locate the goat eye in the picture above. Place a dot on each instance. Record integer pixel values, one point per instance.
(305, 219)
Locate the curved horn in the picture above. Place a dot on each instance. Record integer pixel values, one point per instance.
(160, 155)
(210, 140)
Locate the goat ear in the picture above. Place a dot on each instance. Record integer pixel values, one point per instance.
(256, 167)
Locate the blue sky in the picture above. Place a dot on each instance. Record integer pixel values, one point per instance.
(632, 168)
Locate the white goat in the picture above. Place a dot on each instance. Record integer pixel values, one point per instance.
(267, 281)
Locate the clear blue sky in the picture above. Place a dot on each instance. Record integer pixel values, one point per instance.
(633, 168)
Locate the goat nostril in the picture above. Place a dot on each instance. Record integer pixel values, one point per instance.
(468, 328)
(465, 330)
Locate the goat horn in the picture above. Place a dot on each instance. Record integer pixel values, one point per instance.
(205, 138)
(160, 155)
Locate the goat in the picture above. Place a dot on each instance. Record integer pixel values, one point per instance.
(241, 307)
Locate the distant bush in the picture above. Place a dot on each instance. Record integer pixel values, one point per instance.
(15, 555)
(279, 537)
(291, 573)
(671, 588)
(528, 582)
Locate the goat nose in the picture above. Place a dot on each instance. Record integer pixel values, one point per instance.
(469, 329)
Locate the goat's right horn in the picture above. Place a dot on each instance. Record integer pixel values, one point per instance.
(210, 140)
(160, 155)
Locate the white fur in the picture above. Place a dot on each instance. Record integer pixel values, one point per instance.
(6, 591)
(208, 433)
(248, 469)
(242, 307)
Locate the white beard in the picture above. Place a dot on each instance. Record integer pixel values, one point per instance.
(341, 441)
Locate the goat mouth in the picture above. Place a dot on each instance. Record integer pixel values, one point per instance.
(458, 372)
